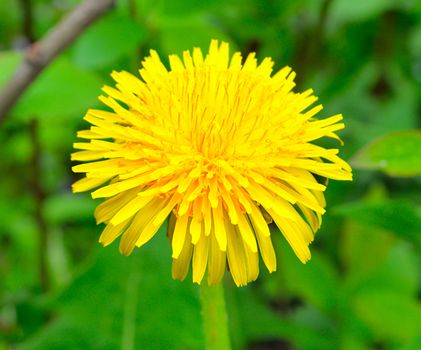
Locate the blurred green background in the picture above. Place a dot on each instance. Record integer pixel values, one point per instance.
(361, 290)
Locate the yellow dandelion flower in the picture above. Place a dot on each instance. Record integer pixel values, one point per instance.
(220, 147)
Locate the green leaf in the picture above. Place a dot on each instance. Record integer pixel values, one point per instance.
(19, 145)
(110, 39)
(397, 154)
(179, 34)
(313, 318)
(316, 282)
(19, 237)
(62, 90)
(414, 344)
(181, 8)
(360, 10)
(373, 258)
(398, 216)
(66, 207)
(9, 23)
(390, 315)
(125, 300)
(350, 341)
(359, 239)
(398, 272)
(259, 322)
(9, 60)
(415, 41)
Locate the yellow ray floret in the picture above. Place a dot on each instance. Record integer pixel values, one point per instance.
(221, 148)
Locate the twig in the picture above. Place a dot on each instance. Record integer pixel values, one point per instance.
(41, 53)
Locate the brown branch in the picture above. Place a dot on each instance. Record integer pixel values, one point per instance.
(41, 53)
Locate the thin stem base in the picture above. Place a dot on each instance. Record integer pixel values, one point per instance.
(215, 322)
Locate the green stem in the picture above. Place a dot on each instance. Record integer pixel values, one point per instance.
(214, 316)
(130, 308)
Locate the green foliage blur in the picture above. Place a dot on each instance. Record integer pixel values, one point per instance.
(59, 289)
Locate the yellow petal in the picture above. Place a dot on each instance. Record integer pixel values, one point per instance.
(216, 263)
(265, 246)
(252, 262)
(157, 217)
(130, 208)
(179, 235)
(86, 184)
(247, 233)
(200, 258)
(219, 227)
(111, 232)
(107, 209)
(236, 256)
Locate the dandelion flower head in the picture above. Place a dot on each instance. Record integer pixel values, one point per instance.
(221, 147)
